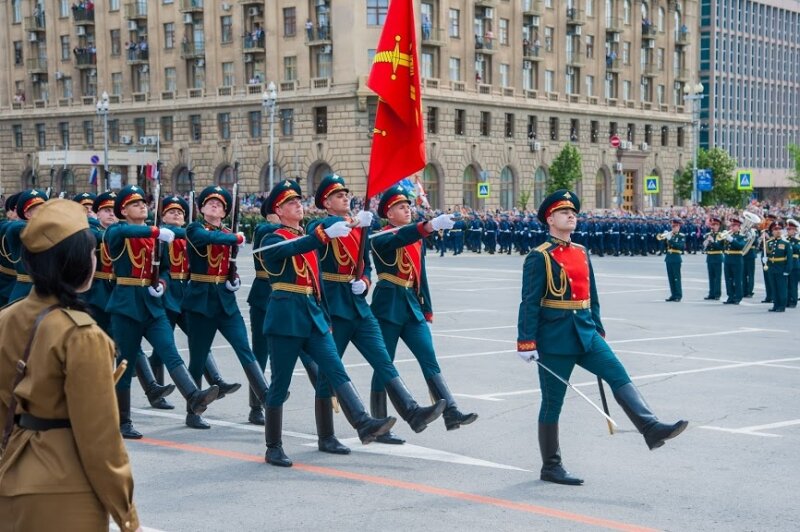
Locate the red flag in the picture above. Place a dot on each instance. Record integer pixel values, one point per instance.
(398, 140)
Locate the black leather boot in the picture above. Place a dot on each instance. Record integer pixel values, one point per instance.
(152, 389)
(275, 454)
(257, 381)
(158, 370)
(125, 423)
(196, 421)
(327, 442)
(377, 406)
(368, 427)
(213, 376)
(552, 469)
(655, 433)
(197, 400)
(417, 416)
(256, 416)
(453, 417)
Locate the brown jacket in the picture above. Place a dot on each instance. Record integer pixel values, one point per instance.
(69, 375)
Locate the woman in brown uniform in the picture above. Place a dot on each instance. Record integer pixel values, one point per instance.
(62, 462)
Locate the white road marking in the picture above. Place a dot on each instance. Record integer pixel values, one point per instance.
(113, 526)
(477, 329)
(462, 311)
(443, 357)
(756, 430)
(403, 451)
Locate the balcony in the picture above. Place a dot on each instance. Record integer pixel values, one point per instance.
(682, 74)
(576, 16)
(575, 59)
(651, 71)
(682, 39)
(82, 16)
(138, 57)
(649, 31)
(613, 65)
(252, 2)
(85, 59)
(193, 50)
(37, 65)
(252, 45)
(614, 24)
(485, 3)
(136, 11)
(533, 8)
(434, 37)
(320, 37)
(532, 53)
(484, 45)
(34, 24)
(191, 6)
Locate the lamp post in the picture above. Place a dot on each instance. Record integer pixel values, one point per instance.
(695, 94)
(269, 99)
(102, 110)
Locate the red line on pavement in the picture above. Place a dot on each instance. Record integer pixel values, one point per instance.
(409, 486)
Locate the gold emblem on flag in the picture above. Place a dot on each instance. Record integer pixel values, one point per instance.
(396, 58)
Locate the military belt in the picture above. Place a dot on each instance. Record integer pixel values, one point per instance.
(132, 281)
(675, 250)
(713, 253)
(294, 288)
(104, 276)
(338, 277)
(261, 274)
(777, 259)
(399, 281)
(796, 256)
(30, 422)
(455, 230)
(574, 304)
(178, 276)
(213, 279)
(8, 271)
(23, 278)
(734, 252)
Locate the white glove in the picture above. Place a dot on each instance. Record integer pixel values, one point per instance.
(667, 235)
(339, 229)
(158, 290)
(241, 238)
(358, 286)
(528, 356)
(729, 238)
(443, 221)
(364, 218)
(233, 286)
(166, 235)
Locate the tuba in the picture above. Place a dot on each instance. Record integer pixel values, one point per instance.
(751, 221)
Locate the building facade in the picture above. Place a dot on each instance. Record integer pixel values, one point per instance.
(505, 85)
(749, 57)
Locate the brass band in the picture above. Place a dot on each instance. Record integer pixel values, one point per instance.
(132, 281)
(213, 279)
(295, 288)
(578, 304)
(338, 277)
(396, 280)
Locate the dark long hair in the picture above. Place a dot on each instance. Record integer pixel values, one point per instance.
(62, 269)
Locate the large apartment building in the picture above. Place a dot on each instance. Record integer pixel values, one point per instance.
(749, 60)
(506, 84)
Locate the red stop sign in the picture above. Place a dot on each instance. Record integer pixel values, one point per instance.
(614, 140)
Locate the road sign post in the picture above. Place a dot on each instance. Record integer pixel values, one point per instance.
(483, 190)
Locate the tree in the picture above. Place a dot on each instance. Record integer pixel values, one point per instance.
(723, 171)
(524, 198)
(794, 153)
(566, 169)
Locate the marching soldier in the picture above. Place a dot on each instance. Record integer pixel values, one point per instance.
(765, 235)
(475, 234)
(676, 244)
(402, 301)
(457, 234)
(780, 262)
(136, 307)
(794, 276)
(505, 236)
(734, 262)
(559, 326)
(714, 247)
(86, 199)
(490, 234)
(8, 275)
(63, 465)
(749, 259)
(28, 203)
(296, 319)
(352, 319)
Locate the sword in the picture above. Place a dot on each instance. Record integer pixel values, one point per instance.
(604, 403)
(551, 372)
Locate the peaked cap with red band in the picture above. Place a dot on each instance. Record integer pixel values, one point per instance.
(393, 196)
(280, 194)
(329, 185)
(218, 193)
(560, 199)
(29, 198)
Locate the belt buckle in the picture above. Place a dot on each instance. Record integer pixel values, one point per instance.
(21, 367)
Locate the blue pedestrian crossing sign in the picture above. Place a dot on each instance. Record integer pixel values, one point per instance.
(651, 184)
(483, 190)
(744, 180)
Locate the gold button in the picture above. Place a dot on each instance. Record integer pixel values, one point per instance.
(574, 311)
(127, 524)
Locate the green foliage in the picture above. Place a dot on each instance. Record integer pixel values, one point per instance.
(524, 198)
(794, 153)
(565, 170)
(723, 169)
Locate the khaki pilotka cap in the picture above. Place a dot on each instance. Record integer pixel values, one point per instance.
(54, 222)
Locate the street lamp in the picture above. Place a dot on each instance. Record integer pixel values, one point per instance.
(102, 110)
(695, 94)
(269, 99)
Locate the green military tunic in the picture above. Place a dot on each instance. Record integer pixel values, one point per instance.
(714, 248)
(734, 268)
(676, 245)
(780, 262)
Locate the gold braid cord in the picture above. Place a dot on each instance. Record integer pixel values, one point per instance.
(551, 286)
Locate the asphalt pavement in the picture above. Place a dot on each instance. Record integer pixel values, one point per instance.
(732, 371)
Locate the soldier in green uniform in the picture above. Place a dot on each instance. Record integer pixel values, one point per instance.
(136, 307)
(402, 300)
(297, 320)
(713, 247)
(734, 262)
(676, 244)
(780, 262)
(209, 301)
(763, 237)
(8, 275)
(86, 199)
(28, 203)
(559, 326)
(351, 317)
(794, 276)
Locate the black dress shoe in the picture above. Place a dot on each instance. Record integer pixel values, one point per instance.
(773, 309)
(196, 421)
(709, 298)
(670, 299)
(557, 474)
(128, 432)
(766, 301)
(728, 302)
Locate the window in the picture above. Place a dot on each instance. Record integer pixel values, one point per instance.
(589, 85)
(226, 29)
(65, 48)
(18, 53)
(486, 123)
(16, 7)
(139, 127)
(630, 133)
(41, 135)
(287, 122)
(113, 131)
(553, 128)
(224, 125)
(626, 90)
(321, 120)
(454, 23)
(227, 75)
(589, 8)
(290, 68)
(169, 35)
(509, 125)
(574, 130)
(548, 38)
(88, 132)
(595, 131)
(195, 128)
(17, 128)
(63, 132)
(612, 129)
(432, 120)
(590, 47)
(113, 5)
(426, 70)
(549, 80)
(533, 127)
(66, 88)
(116, 48)
(116, 83)
(167, 126)
(506, 189)
(626, 53)
(664, 136)
(170, 79)
(626, 11)
(680, 137)
(648, 134)
(503, 26)
(455, 69)
(505, 75)
(289, 22)
(254, 123)
(461, 118)
(376, 12)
